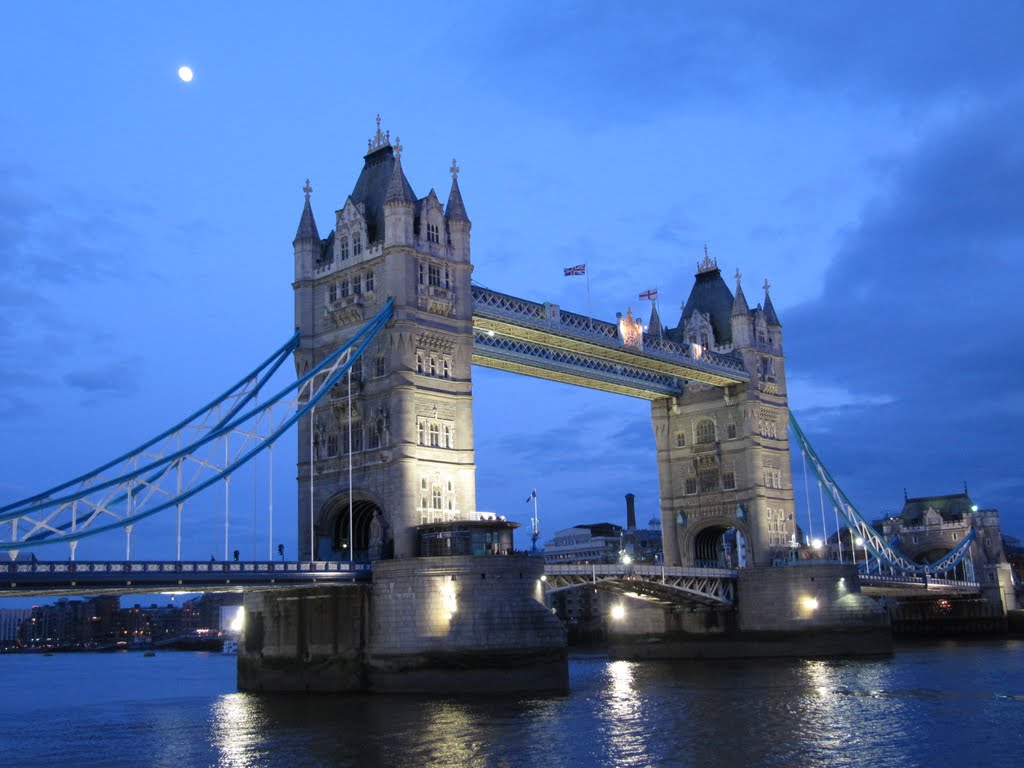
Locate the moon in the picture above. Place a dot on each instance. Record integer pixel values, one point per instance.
(185, 73)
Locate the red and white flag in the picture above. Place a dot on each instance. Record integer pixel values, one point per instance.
(651, 294)
(579, 269)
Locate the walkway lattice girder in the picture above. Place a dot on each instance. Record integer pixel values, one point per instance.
(669, 585)
(525, 337)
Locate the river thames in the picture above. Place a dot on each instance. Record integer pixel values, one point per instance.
(951, 703)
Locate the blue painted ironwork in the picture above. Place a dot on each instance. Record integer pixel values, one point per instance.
(884, 553)
(53, 516)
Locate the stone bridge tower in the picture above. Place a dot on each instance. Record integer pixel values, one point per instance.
(411, 448)
(723, 454)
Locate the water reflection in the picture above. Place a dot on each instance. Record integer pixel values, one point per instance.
(238, 725)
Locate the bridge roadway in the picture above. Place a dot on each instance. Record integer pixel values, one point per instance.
(665, 584)
(67, 577)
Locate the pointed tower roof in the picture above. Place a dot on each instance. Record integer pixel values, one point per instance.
(711, 296)
(307, 224)
(769, 311)
(739, 304)
(654, 327)
(372, 186)
(398, 187)
(456, 209)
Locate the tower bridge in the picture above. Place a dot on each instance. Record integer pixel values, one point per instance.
(388, 328)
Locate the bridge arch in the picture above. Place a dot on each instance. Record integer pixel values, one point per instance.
(370, 534)
(718, 545)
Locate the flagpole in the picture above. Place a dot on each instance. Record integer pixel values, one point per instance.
(536, 521)
(590, 313)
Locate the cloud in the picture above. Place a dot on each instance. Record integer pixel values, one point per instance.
(909, 354)
(119, 377)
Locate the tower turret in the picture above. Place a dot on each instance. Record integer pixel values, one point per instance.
(307, 240)
(456, 219)
(399, 205)
(740, 320)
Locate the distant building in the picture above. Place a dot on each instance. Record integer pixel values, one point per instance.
(10, 620)
(930, 526)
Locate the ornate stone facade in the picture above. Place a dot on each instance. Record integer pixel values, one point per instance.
(723, 453)
(409, 416)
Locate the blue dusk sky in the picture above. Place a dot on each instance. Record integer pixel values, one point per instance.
(867, 158)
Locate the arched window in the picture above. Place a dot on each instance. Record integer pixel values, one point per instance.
(705, 431)
(357, 244)
(344, 248)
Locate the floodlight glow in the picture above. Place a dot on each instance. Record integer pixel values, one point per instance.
(816, 543)
(618, 612)
(238, 622)
(810, 603)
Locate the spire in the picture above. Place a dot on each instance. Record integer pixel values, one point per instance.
(398, 188)
(307, 224)
(769, 311)
(654, 327)
(456, 209)
(739, 304)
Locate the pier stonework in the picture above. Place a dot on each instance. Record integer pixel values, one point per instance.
(723, 452)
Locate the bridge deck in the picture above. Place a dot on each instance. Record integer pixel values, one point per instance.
(62, 578)
(670, 585)
(541, 340)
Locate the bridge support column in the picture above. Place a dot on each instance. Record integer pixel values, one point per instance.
(427, 625)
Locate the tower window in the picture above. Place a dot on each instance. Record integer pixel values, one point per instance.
(434, 275)
(344, 288)
(357, 244)
(446, 368)
(680, 439)
(344, 248)
(705, 431)
(357, 285)
(691, 486)
(731, 431)
(435, 497)
(432, 233)
(369, 281)
(729, 481)
(419, 362)
(332, 444)
(332, 292)
(379, 366)
(435, 435)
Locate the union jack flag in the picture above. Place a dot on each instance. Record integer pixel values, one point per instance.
(579, 269)
(651, 294)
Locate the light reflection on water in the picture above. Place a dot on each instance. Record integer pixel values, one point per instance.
(925, 706)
